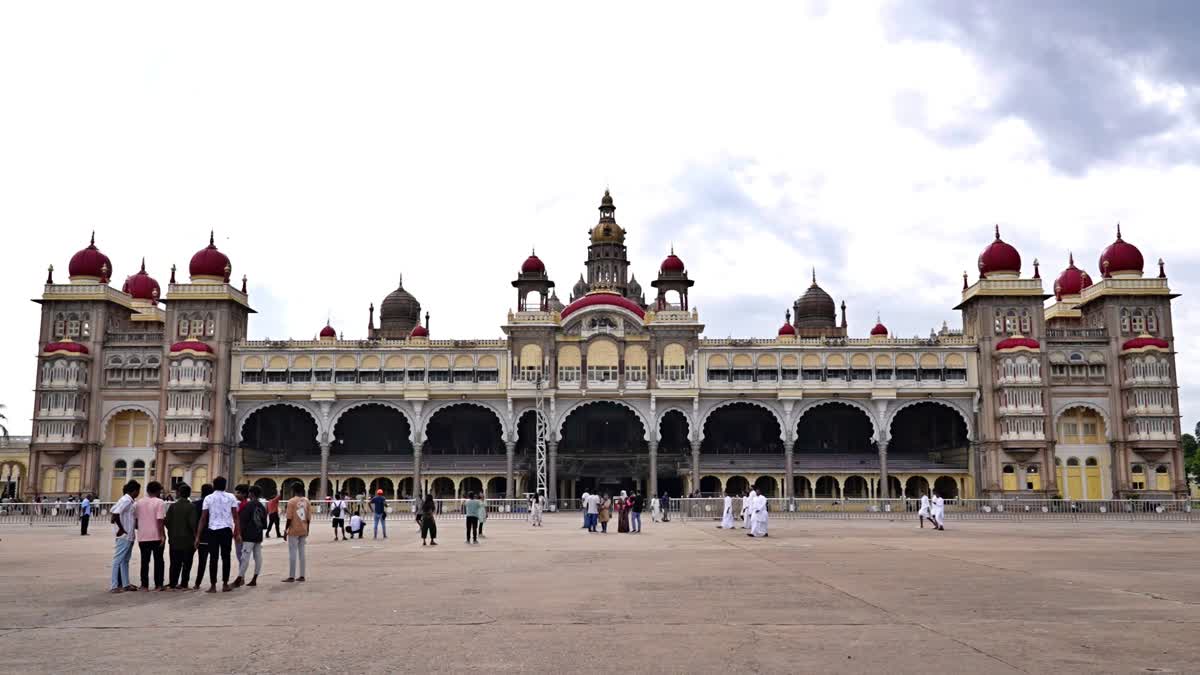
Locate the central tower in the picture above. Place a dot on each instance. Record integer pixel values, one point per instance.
(607, 263)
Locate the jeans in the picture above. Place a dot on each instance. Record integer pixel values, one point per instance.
(180, 572)
(590, 520)
(250, 548)
(220, 542)
(83, 524)
(472, 528)
(202, 558)
(381, 520)
(295, 552)
(635, 521)
(148, 550)
(273, 521)
(122, 553)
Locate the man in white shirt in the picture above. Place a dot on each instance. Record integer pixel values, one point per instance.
(758, 516)
(583, 502)
(337, 512)
(592, 511)
(219, 517)
(123, 527)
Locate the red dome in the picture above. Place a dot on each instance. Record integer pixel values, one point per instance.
(787, 329)
(209, 262)
(533, 265)
(90, 262)
(603, 298)
(1145, 342)
(879, 330)
(1072, 281)
(328, 332)
(1017, 342)
(1120, 256)
(66, 346)
(141, 285)
(191, 346)
(419, 332)
(1000, 257)
(672, 264)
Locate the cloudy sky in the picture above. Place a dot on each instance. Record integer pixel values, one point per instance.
(334, 147)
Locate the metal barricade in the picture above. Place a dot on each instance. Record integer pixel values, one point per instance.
(1179, 510)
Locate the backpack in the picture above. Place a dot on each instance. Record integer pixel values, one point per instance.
(336, 511)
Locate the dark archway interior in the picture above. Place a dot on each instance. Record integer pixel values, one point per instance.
(281, 429)
(464, 430)
(834, 427)
(674, 429)
(741, 428)
(603, 427)
(372, 429)
(925, 428)
(527, 432)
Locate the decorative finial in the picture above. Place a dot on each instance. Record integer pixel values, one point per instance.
(143, 264)
(1118, 231)
(211, 239)
(533, 251)
(243, 283)
(964, 280)
(787, 316)
(814, 270)
(92, 243)
(1037, 274)
(172, 273)
(878, 317)
(1071, 258)
(997, 231)
(672, 248)
(402, 280)
(50, 275)
(1162, 271)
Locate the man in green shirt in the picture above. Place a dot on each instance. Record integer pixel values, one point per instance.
(181, 522)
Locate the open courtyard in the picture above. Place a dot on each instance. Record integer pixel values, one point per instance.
(817, 596)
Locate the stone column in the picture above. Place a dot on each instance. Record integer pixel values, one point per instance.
(695, 465)
(323, 492)
(789, 475)
(653, 484)
(510, 448)
(552, 474)
(885, 489)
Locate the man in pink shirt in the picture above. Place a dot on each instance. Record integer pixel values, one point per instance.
(150, 514)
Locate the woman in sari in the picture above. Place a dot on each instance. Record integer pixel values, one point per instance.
(623, 512)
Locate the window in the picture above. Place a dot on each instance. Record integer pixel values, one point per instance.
(439, 376)
(73, 327)
(1124, 321)
(301, 376)
(1137, 478)
(835, 374)
(956, 374)
(883, 373)
(369, 376)
(635, 373)
(1010, 322)
(1096, 370)
(252, 377)
(197, 328)
(85, 328)
(568, 373)
(183, 327)
(1139, 322)
(790, 374)
(743, 375)
(718, 375)
(277, 377)
(906, 373)
(323, 375)
(1058, 370)
(811, 374)
(1151, 322)
(487, 375)
(998, 327)
(346, 376)
(930, 374)
(463, 376)
(530, 373)
(1033, 479)
(393, 376)
(1026, 323)
(416, 376)
(602, 373)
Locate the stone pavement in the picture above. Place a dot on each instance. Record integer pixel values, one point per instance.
(817, 596)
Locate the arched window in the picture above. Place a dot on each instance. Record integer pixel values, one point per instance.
(1151, 322)
(1124, 320)
(1138, 322)
(210, 325)
(1162, 478)
(1091, 461)
(1010, 477)
(60, 325)
(183, 325)
(1137, 477)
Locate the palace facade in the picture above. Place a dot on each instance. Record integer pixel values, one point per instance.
(1074, 397)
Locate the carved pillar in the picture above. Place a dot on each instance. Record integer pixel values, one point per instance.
(789, 478)
(885, 490)
(418, 486)
(552, 473)
(653, 484)
(510, 448)
(323, 492)
(695, 465)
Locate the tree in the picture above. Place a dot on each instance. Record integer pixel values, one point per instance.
(3, 418)
(1191, 456)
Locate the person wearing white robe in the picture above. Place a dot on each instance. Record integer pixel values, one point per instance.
(727, 514)
(924, 511)
(748, 508)
(535, 510)
(758, 516)
(938, 511)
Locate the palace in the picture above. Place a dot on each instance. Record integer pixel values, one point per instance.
(1076, 397)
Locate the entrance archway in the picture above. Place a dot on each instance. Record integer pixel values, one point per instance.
(603, 448)
(496, 488)
(385, 484)
(931, 433)
(827, 488)
(838, 428)
(314, 488)
(284, 431)
(269, 490)
(354, 488)
(855, 487)
(442, 488)
(766, 486)
(916, 486)
(737, 485)
(947, 487)
(804, 488)
(372, 429)
(469, 485)
(464, 429)
(741, 428)
(673, 430)
(710, 486)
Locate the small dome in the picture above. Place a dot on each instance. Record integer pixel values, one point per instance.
(194, 346)
(787, 329)
(1017, 342)
(65, 347)
(1120, 258)
(90, 263)
(142, 286)
(603, 298)
(1145, 342)
(879, 330)
(533, 265)
(580, 289)
(671, 264)
(607, 231)
(999, 258)
(554, 304)
(399, 313)
(328, 331)
(209, 263)
(815, 309)
(1071, 281)
(419, 332)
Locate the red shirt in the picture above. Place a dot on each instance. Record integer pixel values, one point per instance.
(273, 505)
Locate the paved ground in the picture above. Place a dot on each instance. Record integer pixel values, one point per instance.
(818, 596)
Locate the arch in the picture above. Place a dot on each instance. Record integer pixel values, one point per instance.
(439, 362)
(346, 362)
(766, 485)
(1061, 408)
(497, 487)
(369, 362)
(124, 407)
(955, 361)
(49, 479)
(404, 488)
(662, 415)
(351, 405)
(826, 487)
(718, 362)
(324, 363)
(946, 487)
(806, 407)
(302, 363)
(569, 356)
(382, 483)
(966, 418)
(766, 361)
(802, 487)
(505, 430)
(394, 362)
(531, 356)
(442, 488)
(268, 487)
(562, 417)
(468, 485)
(277, 363)
(354, 487)
(855, 487)
(244, 415)
(930, 361)
(487, 361)
(790, 361)
(314, 488)
(737, 485)
(883, 361)
(710, 485)
(905, 361)
(252, 363)
(721, 404)
(73, 477)
(602, 352)
(860, 361)
(916, 486)
(835, 361)
(285, 486)
(635, 356)
(810, 361)
(742, 361)
(674, 355)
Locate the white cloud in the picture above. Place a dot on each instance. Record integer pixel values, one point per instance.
(333, 150)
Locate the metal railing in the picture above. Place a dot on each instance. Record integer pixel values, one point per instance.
(955, 509)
